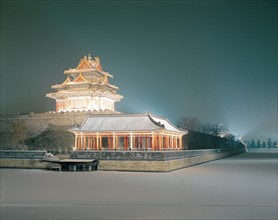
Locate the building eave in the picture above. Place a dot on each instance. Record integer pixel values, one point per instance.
(124, 123)
(77, 71)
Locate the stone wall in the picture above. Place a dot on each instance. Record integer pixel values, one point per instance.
(196, 140)
(23, 154)
(142, 155)
(40, 131)
(154, 161)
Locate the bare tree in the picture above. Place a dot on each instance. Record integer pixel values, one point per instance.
(189, 123)
(205, 128)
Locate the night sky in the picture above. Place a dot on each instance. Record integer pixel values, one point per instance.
(213, 60)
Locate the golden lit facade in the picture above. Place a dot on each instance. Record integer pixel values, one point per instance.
(124, 132)
(86, 88)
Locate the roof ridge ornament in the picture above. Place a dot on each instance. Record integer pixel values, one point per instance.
(158, 123)
(89, 57)
(98, 66)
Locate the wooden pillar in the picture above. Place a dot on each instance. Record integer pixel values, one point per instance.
(94, 143)
(172, 142)
(125, 143)
(81, 141)
(100, 142)
(152, 145)
(156, 142)
(114, 141)
(108, 143)
(160, 142)
(141, 142)
(89, 142)
(97, 141)
(75, 141)
(84, 142)
(111, 143)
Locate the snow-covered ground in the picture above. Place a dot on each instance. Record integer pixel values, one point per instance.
(239, 187)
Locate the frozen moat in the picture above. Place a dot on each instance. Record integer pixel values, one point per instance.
(238, 187)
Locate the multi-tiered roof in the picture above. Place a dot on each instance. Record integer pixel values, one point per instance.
(86, 87)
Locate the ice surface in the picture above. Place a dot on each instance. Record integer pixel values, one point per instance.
(239, 187)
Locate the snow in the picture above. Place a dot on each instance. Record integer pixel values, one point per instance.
(239, 187)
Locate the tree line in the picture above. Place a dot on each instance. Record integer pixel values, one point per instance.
(193, 124)
(261, 144)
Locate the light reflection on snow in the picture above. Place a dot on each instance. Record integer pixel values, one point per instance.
(243, 186)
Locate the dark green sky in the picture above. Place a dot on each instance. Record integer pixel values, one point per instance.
(214, 60)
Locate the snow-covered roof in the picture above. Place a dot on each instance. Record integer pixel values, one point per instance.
(167, 124)
(126, 122)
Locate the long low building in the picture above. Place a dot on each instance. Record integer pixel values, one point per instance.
(128, 132)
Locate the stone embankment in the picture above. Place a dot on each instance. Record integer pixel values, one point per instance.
(24, 159)
(155, 161)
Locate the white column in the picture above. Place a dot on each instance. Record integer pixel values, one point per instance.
(131, 143)
(172, 140)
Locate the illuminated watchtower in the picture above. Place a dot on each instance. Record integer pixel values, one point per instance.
(86, 88)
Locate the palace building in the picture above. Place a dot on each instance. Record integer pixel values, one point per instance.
(86, 88)
(119, 141)
(127, 132)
